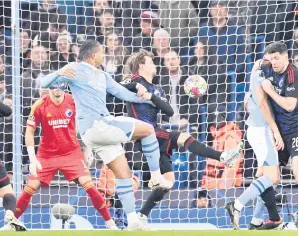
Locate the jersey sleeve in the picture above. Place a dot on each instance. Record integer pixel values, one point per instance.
(292, 88)
(35, 114)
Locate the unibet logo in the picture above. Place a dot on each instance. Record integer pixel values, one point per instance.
(60, 123)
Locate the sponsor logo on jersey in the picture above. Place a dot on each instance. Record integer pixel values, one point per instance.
(49, 115)
(60, 123)
(290, 89)
(69, 113)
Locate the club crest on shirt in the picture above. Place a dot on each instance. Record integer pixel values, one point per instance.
(69, 113)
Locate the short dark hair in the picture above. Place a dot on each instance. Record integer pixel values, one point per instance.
(87, 48)
(138, 58)
(277, 47)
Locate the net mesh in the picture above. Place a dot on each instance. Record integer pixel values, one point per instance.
(218, 40)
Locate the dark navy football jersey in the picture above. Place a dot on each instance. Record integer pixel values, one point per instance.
(286, 85)
(142, 111)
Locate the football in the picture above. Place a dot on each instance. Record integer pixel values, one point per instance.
(195, 86)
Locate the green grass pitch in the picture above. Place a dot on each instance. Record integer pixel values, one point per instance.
(153, 233)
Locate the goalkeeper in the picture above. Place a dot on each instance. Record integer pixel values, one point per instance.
(142, 66)
(59, 149)
(105, 133)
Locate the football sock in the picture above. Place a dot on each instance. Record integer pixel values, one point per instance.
(201, 149)
(9, 202)
(24, 200)
(154, 198)
(268, 197)
(256, 188)
(151, 150)
(124, 189)
(97, 200)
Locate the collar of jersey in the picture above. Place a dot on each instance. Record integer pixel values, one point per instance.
(91, 66)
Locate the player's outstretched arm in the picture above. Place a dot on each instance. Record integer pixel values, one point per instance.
(161, 103)
(121, 92)
(5, 110)
(63, 75)
(288, 103)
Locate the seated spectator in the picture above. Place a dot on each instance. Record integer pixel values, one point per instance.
(149, 23)
(215, 75)
(49, 38)
(6, 137)
(161, 46)
(104, 24)
(39, 20)
(30, 81)
(115, 56)
(64, 55)
(224, 38)
(180, 19)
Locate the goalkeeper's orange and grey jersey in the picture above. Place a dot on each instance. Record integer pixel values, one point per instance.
(147, 112)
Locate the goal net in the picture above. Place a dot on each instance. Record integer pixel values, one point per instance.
(218, 40)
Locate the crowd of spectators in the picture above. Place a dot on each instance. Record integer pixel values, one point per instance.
(213, 39)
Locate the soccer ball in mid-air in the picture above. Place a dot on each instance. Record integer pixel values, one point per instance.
(195, 86)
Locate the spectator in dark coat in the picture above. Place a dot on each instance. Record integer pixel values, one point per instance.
(224, 38)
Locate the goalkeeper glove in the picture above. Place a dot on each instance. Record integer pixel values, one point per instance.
(34, 163)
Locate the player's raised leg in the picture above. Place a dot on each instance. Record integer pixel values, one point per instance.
(201, 149)
(151, 150)
(114, 131)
